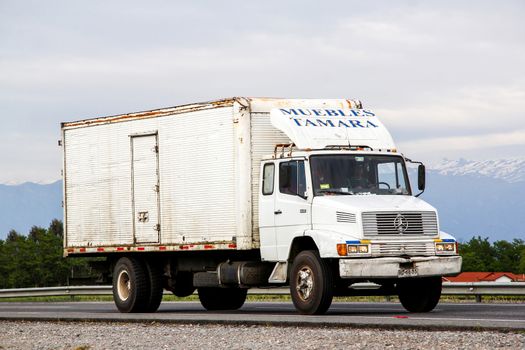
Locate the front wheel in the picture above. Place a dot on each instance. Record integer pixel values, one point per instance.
(419, 294)
(311, 283)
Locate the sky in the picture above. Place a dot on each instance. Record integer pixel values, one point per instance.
(446, 77)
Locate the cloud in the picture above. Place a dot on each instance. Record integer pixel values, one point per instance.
(474, 142)
(434, 71)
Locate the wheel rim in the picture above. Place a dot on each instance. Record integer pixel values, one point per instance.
(305, 283)
(123, 285)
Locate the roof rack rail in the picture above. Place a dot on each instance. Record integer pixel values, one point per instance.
(283, 147)
(349, 147)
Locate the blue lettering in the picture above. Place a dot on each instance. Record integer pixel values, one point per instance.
(368, 113)
(308, 121)
(289, 112)
(331, 112)
(370, 123)
(342, 113)
(303, 113)
(356, 123)
(296, 120)
(355, 113)
(326, 122)
(343, 123)
(318, 112)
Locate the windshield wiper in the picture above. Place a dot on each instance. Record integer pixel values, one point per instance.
(334, 191)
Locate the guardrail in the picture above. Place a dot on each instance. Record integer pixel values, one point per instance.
(477, 289)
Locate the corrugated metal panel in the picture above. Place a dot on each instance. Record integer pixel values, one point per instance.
(263, 140)
(197, 189)
(98, 186)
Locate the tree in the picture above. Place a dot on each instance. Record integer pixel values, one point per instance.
(502, 256)
(522, 261)
(4, 268)
(478, 252)
(508, 255)
(36, 260)
(12, 236)
(56, 228)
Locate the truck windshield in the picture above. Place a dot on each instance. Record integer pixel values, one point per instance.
(349, 174)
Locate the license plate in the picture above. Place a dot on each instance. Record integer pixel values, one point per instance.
(407, 272)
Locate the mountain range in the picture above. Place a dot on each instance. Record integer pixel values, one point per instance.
(484, 198)
(29, 204)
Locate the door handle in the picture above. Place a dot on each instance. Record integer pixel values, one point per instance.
(278, 212)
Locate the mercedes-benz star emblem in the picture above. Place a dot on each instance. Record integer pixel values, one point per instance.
(400, 223)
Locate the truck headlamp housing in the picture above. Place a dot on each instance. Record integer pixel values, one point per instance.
(446, 247)
(357, 248)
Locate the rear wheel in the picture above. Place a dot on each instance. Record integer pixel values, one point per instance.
(130, 285)
(154, 272)
(419, 294)
(222, 298)
(311, 283)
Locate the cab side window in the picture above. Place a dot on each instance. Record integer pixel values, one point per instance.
(292, 180)
(268, 176)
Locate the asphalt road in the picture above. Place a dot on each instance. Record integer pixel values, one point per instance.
(390, 315)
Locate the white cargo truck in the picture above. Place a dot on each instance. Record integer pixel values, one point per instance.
(223, 196)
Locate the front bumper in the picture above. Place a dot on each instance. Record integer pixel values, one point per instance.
(391, 267)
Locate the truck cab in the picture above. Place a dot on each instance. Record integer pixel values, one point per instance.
(340, 214)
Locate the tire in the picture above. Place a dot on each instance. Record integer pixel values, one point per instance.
(419, 294)
(154, 272)
(311, 284)
(183, 286)
(130, 285)
(222, 298)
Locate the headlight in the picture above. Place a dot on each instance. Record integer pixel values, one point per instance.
(363, 249)
(445, 247)
(356, 248)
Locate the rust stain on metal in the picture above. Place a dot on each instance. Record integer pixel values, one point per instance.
(152, 114)
(354, 104)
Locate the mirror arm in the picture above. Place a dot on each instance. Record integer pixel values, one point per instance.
(420, 163)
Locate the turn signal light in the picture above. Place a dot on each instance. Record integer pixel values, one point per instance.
(342, 250)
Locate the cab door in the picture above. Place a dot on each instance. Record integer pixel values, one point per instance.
(267, 212)
(292, 210)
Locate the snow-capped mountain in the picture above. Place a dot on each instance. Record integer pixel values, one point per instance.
(510, 170)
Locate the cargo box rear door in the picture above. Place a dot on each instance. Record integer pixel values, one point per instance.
(145, 183)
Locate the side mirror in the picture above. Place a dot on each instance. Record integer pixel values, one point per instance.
(421, 177)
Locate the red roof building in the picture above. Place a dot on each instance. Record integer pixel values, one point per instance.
(486, 277)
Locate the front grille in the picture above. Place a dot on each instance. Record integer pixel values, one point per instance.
(395, 223)
(403, 248)
(348, 218)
